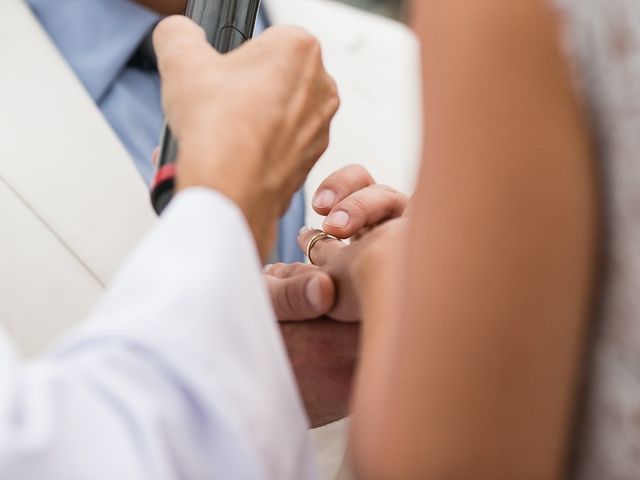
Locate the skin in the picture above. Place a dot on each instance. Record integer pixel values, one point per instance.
(353, 202)
(476, 306)
(197, 93)
(493, 317)
(324, 352)
(307, 289)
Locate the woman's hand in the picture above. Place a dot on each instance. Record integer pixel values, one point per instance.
(352, 267)
(353, 202)
(251, 123)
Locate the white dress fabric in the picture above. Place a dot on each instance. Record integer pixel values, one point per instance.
(602, 38)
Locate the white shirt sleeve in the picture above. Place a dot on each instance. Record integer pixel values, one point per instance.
(180, 373)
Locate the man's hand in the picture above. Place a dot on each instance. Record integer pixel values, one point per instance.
(257, 160)
(299, 291)
(322, 352)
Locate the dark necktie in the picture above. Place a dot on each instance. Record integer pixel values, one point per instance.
(144, 57)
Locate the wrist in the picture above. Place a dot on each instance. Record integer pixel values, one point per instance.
(241, 186)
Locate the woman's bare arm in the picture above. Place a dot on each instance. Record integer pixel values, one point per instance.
(477, 377)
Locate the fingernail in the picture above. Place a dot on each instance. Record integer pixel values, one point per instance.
(338, 219)
(266, 268)
(313, 291)
(304, 230)
(324, 199)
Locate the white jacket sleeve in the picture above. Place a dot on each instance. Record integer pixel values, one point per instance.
(180, 373)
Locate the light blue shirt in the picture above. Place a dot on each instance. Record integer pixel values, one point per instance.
(98, 39)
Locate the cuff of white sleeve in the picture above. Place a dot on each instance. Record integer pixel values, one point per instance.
(197, 200)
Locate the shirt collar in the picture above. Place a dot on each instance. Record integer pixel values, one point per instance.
(97, 37)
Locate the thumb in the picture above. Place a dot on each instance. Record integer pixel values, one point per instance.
(301, 297)
(179, 44)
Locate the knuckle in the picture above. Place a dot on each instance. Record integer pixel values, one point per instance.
(334, 96)
(331, 102)
(394, 201)
(359, 170)
(315, 49)
(291, 298)
(301, 40)
(332, 86)
(356, 206)
(282, 301)
(306, 40)
(276, 270)
(167, 27)
(359, 174)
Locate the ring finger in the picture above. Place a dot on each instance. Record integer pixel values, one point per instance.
(322, 249)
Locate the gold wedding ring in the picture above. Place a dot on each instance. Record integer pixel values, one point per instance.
(315, 239)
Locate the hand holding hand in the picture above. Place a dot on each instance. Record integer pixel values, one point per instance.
(351, 266)
(355, 207)
(322, 352)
